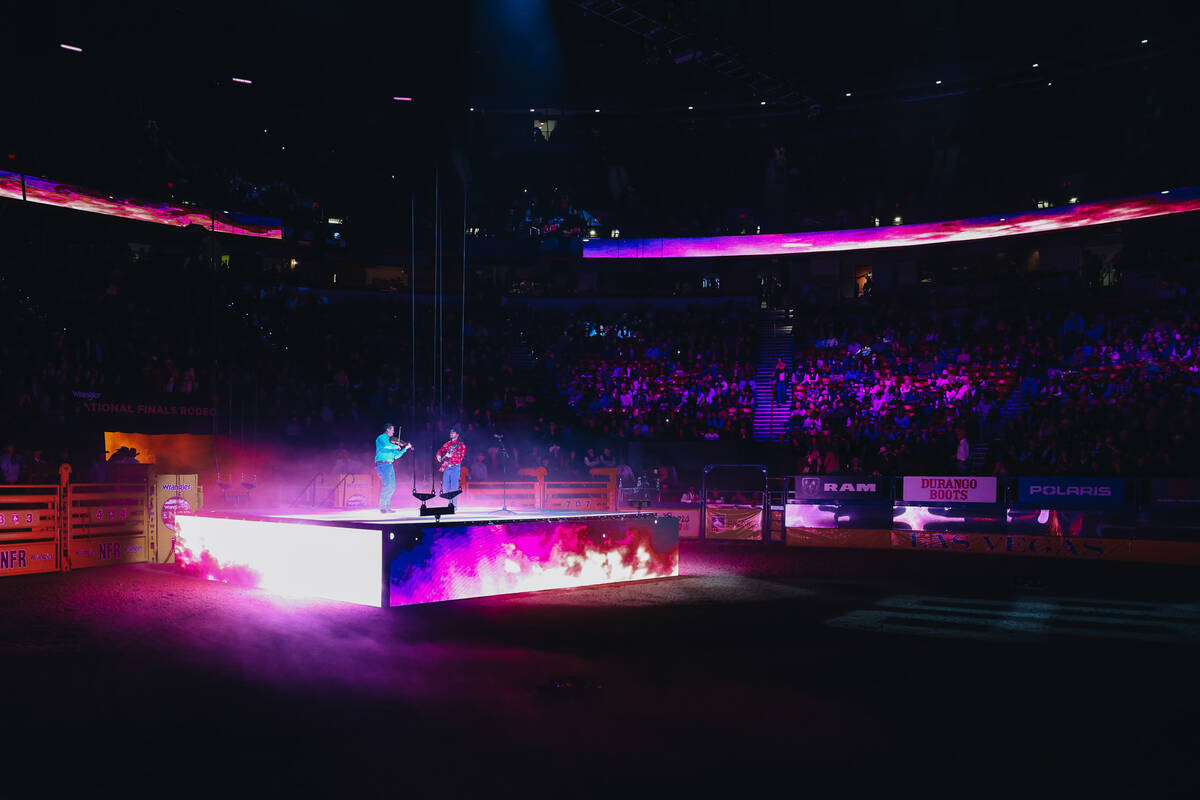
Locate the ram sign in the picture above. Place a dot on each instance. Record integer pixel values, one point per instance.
(841, 487)
(1071, 492)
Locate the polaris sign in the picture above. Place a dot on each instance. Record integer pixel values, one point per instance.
(841, 487)
(1071, 492)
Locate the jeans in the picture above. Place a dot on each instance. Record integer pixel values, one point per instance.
(450, 477)
(387, 482)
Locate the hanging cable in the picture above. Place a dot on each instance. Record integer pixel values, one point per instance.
(437, 277)
(437, 288)
(441, 322)
(462, 319)
(412, 341)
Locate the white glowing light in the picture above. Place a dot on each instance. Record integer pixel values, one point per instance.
(289, 559)
(917, 517)
(804, 515)
(242, 80)
(71, 47)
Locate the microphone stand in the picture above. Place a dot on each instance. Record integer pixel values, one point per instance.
(503, 453)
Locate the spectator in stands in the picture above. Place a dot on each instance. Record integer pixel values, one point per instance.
(10, 464)
(962, 453)
(40, 470)
(689, 496)
(341, 460)
(478, 470)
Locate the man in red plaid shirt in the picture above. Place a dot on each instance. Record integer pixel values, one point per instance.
(450, 457)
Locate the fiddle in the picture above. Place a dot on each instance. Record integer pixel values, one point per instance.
(403, 445)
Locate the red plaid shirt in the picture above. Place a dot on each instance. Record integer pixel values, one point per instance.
(452, 453)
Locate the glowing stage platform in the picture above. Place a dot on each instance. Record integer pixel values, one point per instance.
(366, 557)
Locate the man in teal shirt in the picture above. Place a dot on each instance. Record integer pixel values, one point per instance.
(385, 454)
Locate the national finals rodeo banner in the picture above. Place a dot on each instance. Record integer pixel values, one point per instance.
(146, 413)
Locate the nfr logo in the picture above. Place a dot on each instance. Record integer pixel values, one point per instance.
(12, 559)
(109, 550)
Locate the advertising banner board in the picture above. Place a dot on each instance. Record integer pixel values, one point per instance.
(173, 494)
(689, 519)
(733, 522)
(1071, 492)
(841, 487)
(1183, 491)
(949, 488)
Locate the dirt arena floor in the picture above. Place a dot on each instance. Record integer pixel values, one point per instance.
(760, 672)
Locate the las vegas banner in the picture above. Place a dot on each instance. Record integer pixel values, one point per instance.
(949, 489)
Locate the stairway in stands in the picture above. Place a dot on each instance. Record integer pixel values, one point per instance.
(530, 371)
(1011, 407)
(774, 343)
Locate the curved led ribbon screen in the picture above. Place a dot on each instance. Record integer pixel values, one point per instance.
(66, 195)
(1080, 215)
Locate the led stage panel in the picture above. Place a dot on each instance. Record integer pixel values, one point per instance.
(290, 559)
(481, 560)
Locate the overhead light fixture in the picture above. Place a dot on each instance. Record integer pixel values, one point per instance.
(938, 83)
(531, 111)
(1145, 41)
(1073, 200)
(242, 80)
(762, 102)
(404, 99)
(596, 110)
(1050, 83)
(1165, 191)
(472, 108)
(71, 47)
(690, 108)
(847, 94)
(1035, 65)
